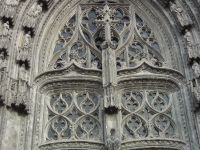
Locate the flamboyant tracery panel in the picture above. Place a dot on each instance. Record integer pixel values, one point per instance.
(142, 46)
(80, 53)
(146, 33)
(74, 115)
(147, 114)
(66, 34)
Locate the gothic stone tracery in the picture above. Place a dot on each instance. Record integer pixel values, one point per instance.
(108, 81)
(109, 41)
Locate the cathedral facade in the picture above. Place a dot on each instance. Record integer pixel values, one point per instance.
(99, 75)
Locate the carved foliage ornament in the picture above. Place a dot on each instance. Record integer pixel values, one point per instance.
(9, 8)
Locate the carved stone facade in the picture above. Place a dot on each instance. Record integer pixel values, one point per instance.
(99, 75)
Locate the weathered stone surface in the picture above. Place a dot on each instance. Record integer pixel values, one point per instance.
(99, 74)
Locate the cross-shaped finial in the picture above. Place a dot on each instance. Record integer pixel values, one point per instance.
(106, 20)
